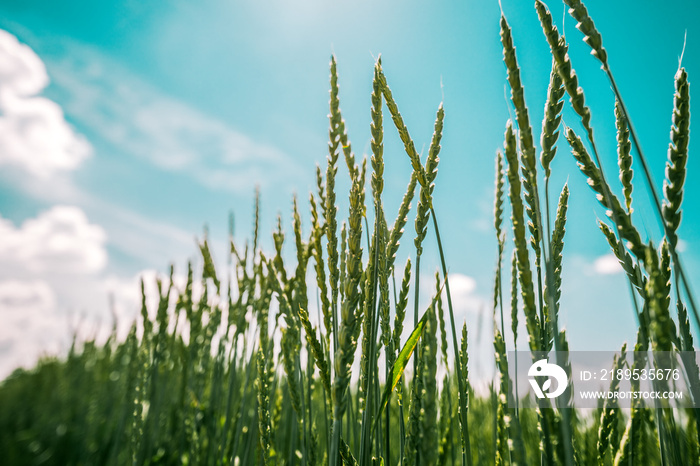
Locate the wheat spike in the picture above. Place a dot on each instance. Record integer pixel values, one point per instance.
(463, 367)
(350, 305)
(511, 447)
(514, 298)
(339, 131)
(518, 220)
(397, 229)
(662, 328)
(527, 148)
(624, 155)
(402, 129)
(591, 35)
(441, 318)
(608, 200)
(316, 250)
(631, 268)
(266, 448)
(498, 198)
(320, 187)
(445, 425)
(677, 157)
(331, 209)
(401, 304)
(558, 245)
(552, 119)
(560, 53)
(425, 201)
(609, 413)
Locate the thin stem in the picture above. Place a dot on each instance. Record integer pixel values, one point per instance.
(416, 297)
(466, 447)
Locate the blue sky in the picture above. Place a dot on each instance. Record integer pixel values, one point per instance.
(172, 113)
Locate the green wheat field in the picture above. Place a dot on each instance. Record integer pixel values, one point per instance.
(232, 369)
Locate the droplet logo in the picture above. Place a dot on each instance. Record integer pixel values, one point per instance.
(542, 368)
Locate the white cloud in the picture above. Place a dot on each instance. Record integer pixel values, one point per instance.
(33, 132)
(39, 316)
(48, 277)
(22, 72)
(469, 308)
(33, 296)
(461, 286)
(140, 120)
(607, 265)
(465, 299)
(58, 240)
(31, 324)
